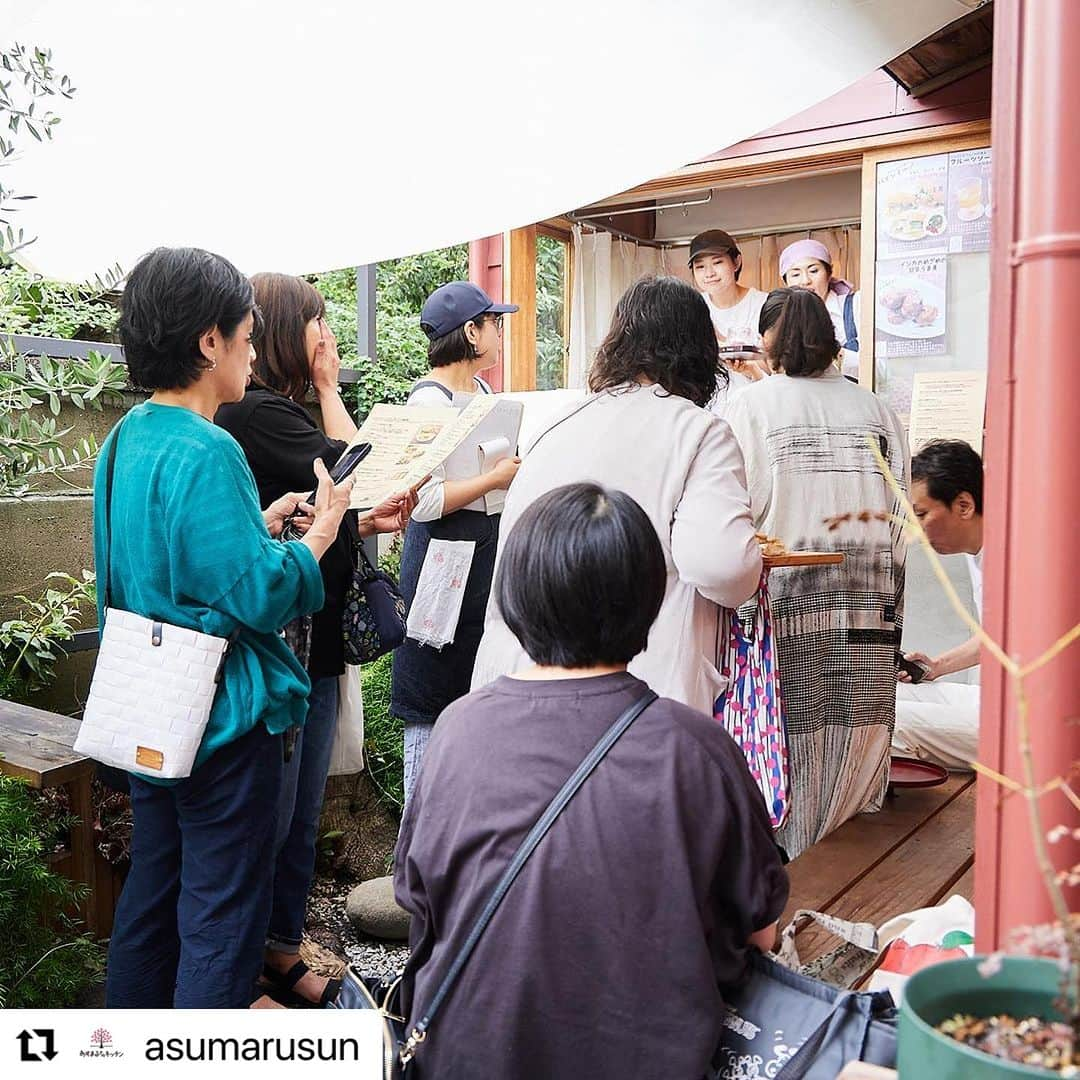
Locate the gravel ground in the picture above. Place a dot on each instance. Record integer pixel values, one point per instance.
(328, 926)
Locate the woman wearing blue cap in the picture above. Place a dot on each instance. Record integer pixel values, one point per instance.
(464, 330)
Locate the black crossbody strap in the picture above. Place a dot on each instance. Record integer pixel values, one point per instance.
(528, 846)
(110, 468)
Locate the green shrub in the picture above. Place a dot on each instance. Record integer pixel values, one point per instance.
(401, 287)
(383, 734)
(30, 304)
(44, 960)
(32, 447)
(551, 346)
(32, 643)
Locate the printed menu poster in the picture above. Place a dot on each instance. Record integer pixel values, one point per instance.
(969, 200)
(909, 308)
(407, 442)
(911, 209)
(947, 405)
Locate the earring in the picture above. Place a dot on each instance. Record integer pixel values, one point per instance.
(211, 365)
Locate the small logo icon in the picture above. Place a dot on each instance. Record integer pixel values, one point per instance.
(101, 1045)
(42, 1042)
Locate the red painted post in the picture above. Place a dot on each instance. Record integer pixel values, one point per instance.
(1032, 593)
(486, 270)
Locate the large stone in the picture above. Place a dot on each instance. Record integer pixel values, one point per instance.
(372, 909)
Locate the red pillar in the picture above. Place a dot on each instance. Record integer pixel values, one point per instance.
(1032, 511)
(486, 270)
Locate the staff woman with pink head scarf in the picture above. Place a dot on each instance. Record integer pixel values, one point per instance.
(807, 264)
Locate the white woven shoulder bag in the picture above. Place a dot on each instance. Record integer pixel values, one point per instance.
(153, 685)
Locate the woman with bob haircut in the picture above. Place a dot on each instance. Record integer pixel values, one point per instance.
(660, 872)
(296, 353)
(187, 543)
(463, 326)
(806, 435)
(643, 429)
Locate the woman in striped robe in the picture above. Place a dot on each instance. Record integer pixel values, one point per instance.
(806, 436)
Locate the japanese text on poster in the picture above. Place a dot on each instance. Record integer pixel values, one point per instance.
(910, 307)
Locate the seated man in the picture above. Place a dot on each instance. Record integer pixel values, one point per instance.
(939, 721)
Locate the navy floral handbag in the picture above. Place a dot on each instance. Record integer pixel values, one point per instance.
(373, 621)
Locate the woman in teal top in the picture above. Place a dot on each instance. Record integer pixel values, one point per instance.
(189, 545)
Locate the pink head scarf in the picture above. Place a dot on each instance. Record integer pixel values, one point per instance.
(812, 249)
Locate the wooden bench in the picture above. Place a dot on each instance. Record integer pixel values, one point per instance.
(37, 746)
(914, 853)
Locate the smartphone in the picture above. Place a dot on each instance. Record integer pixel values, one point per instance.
(916, 670)
(345, 465)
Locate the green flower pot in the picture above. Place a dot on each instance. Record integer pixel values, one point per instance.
(1024, 986)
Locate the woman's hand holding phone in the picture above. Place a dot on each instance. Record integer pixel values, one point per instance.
(292, 508)
(331, 502)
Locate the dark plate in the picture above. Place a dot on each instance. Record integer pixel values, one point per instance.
(906, 772)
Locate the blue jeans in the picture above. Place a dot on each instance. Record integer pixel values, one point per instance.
(189, 926)
(298, 822)
(416, 740)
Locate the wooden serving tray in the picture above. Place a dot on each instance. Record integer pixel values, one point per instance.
(803, 558)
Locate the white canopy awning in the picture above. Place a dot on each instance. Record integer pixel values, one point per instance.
(308, 136)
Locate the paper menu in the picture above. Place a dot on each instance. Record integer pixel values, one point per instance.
(407, 442)
(489, 453)
(947, 405)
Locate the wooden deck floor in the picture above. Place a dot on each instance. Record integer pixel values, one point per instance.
(914, 853)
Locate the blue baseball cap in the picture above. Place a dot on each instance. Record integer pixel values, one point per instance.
(454, 304)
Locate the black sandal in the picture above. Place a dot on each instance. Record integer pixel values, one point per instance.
(279, 986)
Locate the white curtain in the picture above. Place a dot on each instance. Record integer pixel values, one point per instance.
(604, 268)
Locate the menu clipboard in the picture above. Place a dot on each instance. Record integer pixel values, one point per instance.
(407, 443)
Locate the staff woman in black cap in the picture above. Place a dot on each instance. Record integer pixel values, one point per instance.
(716, 263)
(464, 330)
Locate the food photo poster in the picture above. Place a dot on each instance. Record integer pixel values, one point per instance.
(910, 316)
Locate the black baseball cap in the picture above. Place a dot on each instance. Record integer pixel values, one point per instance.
(713, 242)
(453, 305)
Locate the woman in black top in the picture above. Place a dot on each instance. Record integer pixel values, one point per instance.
(297, 353)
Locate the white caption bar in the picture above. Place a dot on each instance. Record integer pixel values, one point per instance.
(197, 1042)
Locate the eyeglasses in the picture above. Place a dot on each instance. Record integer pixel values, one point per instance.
(498, 321)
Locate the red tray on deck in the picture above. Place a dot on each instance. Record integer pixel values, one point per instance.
(906, 772)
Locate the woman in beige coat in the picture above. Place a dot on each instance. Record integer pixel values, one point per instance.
(644, 430)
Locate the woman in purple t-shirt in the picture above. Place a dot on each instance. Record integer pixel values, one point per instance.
(608, 955)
